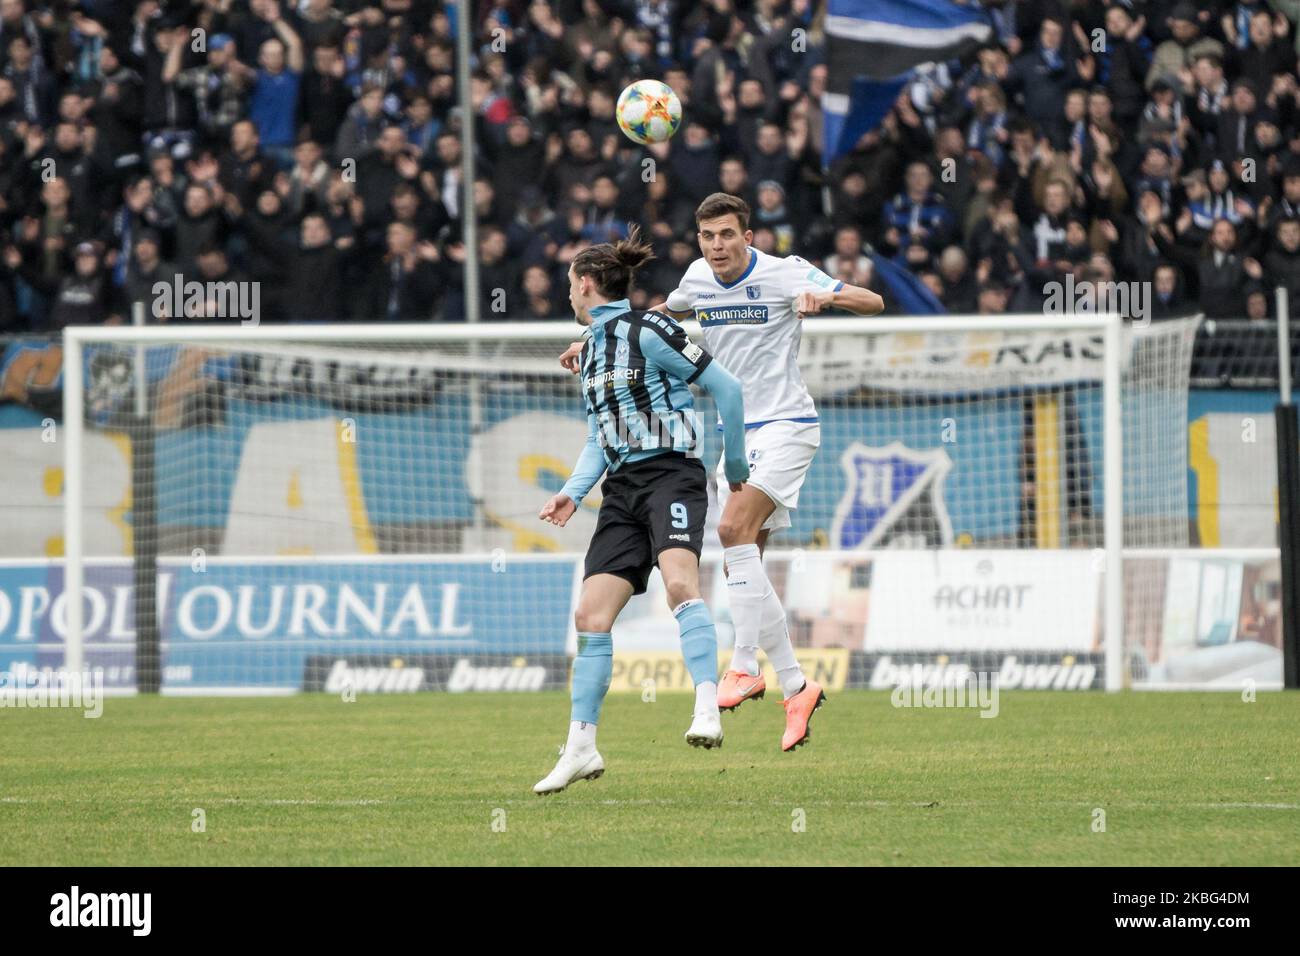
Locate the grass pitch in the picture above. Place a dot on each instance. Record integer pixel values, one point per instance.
(445, 779)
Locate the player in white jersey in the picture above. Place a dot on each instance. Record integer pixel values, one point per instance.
(749, 305)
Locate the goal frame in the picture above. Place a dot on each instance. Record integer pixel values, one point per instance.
(75, 338)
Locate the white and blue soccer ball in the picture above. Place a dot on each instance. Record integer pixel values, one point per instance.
(648, 112)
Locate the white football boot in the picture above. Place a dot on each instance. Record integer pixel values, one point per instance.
(706, 730)
(571, 767)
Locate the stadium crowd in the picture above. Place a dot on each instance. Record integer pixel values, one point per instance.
(314, 148)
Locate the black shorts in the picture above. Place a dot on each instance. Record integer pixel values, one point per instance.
(648, 507)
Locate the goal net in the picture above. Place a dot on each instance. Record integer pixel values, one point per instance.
(354, 509)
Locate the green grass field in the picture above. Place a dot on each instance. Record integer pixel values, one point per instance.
(420, 779)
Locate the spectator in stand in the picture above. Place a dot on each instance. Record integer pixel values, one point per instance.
(918, 216)
(146, 268)
(1282, 261)
(217, 86)
(273, 101)
(537, 300)
(1184, 45)
(959, 289)
(315, 292)
(82, 296)
(404, 285)
(1168, 300)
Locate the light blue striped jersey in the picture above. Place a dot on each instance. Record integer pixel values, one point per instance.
(636, 369)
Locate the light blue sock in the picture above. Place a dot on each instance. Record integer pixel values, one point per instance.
(699, 640)
(592, 669)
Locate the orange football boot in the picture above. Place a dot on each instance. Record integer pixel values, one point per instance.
(737, 687)
(798, 712)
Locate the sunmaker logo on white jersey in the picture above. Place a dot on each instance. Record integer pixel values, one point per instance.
(733, 315)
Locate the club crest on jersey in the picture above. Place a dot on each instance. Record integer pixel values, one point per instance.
(893, 498)
(753, 291)
(620, 353)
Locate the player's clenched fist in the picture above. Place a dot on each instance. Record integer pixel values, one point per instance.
(571, 357)
(810, 303)
(558, 510)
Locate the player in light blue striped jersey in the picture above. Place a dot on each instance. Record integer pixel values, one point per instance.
(636, 371)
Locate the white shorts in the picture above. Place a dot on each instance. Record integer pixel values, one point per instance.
(780, 454)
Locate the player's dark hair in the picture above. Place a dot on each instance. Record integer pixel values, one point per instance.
(613, 265)
(723, 204)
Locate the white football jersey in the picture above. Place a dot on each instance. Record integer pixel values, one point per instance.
(751, 327)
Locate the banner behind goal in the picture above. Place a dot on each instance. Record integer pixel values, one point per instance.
(335, 507)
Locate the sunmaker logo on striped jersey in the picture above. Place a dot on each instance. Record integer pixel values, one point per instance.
(612, 375)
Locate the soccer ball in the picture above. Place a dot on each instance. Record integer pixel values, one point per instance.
(648, 112)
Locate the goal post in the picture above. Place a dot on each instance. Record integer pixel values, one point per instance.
(370, 559)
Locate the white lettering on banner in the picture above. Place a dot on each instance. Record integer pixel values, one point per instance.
(967, 361)
(185, 613)
(964, 600)
(466, 676)
(370, 617)
(308, 599)
(251, 612)
(33, 602)
(1065, 674)
(373, 680)
(448, 626)
(92, 621)
(886, 674)
(244, 611)
(412, 607)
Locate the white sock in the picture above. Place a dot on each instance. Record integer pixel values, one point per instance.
(746, 583)
(774, 638)
(582, 736)
(706, 697)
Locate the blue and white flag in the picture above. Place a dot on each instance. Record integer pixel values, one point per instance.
(872, 45)
(910, 294)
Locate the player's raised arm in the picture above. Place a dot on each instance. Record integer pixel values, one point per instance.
(813, 291)
(586, 472)
(678, 305)
(850, 298)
